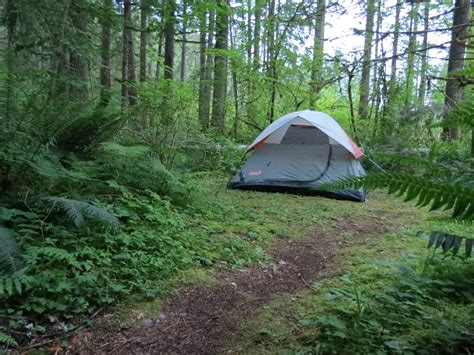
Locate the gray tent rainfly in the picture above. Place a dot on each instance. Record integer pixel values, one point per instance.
(298, 152)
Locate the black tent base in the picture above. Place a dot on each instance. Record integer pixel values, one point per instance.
(350, 195)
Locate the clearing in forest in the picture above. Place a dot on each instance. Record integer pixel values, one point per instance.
(257, 307)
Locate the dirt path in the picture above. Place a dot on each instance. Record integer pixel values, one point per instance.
(201, 319)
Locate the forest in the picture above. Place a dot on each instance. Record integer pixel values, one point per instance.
(122, 122)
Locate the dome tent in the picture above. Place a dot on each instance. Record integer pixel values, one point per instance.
(299, 152)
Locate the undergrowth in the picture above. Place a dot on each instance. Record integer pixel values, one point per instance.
(119, 224)
(410, 301)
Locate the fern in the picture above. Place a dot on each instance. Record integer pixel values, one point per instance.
(134, 151)
(414, 161)
(11, 285)
(449, 242)
(78, 211)
(10, 254)
(7, 339)
(461, 116)
(456, 197)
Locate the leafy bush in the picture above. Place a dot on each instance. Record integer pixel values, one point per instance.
(368, 316)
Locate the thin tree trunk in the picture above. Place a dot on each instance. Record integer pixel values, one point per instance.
(169, 59)
(143, 39)
(183, 43)
(424, 55)
(132, 91)
(318, 54)
(256, 35)
(127, 33)
(235, 125)
(220, 67)
(105, 60)
(412, 44)
(159, 54)
(396, 35)
(205, 99)
(169, 39)
(235, 88)
(365, 76)
(248, 45)
(350, 73)
(470, 64)
(11, 17)
(271, 60)
(375, 76)
(459, 34)
(202, 111)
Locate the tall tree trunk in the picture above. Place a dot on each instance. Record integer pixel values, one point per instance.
(235, 87)
(412, 44)
(132, 91)
(424, 55)
(470, 65)
(271, 60)
(11, 17)
(318, 54)
(203, 105)
(365, 76)
(159, 53)
(105, 60)
(459, 35)
(396, 35)
(256, 35)
(206, 89)
(183, 43)
(220, 66)
(376, 74)
(170, 7)
(127, 34)
(248, 45)
(169, 39)
(143, 39)
(73, 67)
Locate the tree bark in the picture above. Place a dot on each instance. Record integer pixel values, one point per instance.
(132, 91)
(271, 60)
(220, 66)
(203, 109)
(11, 17)
(105, 60)
(127, 34)
(183, 44)
(235, 86)
(318, 54)
(170, 19)
(206, 88)
(412, 44)
(470, 65)
(459, 35)
(248, 45)
(159, 53)
(365, 76)
(376, 74)
(73, 66)
(169, 39)
(256, 35)
(424, 56)
(396, 35)
(143, 39)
